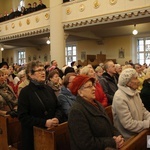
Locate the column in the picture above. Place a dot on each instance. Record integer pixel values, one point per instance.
(57, 46)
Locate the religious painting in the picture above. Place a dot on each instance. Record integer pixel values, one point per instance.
(83, 55)
(121, 53)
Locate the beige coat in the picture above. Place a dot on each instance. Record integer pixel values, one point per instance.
(129, 113)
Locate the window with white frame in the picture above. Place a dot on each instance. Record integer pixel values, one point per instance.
(143, 50)
(22, 3)
(70, 54)
(21, 57)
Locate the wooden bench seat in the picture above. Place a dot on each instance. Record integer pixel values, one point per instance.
(10, 133)
(56, 138)
(137, 142)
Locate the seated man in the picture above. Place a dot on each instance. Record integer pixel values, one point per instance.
(108, 80)
(129, 114)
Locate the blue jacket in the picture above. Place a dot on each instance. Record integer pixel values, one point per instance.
(66, 99)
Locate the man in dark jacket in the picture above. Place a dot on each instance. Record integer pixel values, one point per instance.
(108, 80)
(41, 5)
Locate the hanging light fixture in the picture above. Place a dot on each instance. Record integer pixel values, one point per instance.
(48, 41)
(135, 32)
(2, 47)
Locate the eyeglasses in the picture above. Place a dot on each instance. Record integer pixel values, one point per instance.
(88, 87)
(39, 70)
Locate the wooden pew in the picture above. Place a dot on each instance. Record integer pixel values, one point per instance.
(108, 110)
(10, 133)
(137, 142)
(56, 138)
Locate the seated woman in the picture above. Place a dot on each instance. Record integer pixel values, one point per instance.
(89, 126)
(65, 97)
(37, 105)
(129, 113)
(53, 80)
(8, 100)
(99, 93)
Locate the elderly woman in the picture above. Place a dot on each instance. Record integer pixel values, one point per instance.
(54, 81)
(8, 100)
(99, 93)
(89, 125)
(37, 105)
(129, 113)
(65, 97)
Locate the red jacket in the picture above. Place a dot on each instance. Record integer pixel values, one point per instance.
(100, 95)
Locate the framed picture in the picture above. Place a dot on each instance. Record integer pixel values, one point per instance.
(45, 58)
(121, 53)
(34, 57)
(29, 58)
(83, 55)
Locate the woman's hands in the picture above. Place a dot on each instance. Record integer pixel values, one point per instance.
(51, 123)
(119, 141)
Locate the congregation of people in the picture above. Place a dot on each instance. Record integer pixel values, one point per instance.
(24, 10)
(44, 95)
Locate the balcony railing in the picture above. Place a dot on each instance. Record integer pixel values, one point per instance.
(27, 25)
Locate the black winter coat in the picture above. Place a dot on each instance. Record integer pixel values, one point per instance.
(109, 85)
(90, 128)
(145, 94)
(32, 113)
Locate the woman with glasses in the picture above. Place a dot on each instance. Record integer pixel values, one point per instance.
(37, 105)
(89, 126)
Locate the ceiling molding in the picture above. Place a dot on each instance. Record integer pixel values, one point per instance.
(25, 34)
(134, 14)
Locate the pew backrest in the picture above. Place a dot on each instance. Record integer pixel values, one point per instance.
(56, 138)
(137, 142)
(10, 133)
(108, 110)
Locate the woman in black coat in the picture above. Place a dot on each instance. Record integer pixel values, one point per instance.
(37, 105)
(145, 92)
(89, 126)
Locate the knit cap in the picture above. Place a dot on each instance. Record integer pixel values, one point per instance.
(126, 76)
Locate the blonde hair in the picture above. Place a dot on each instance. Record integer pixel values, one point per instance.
(98, 69)
(85, 70)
